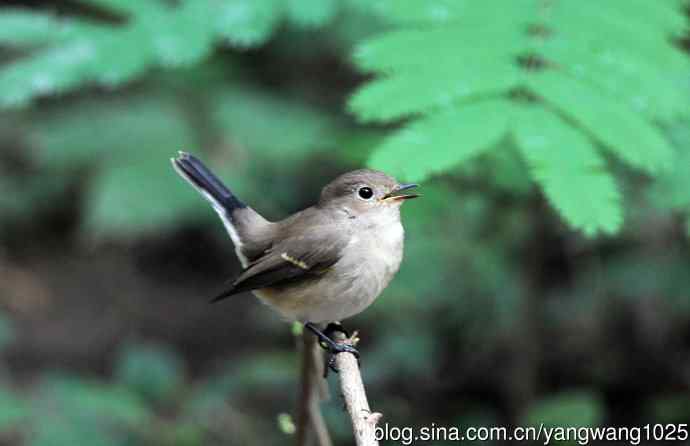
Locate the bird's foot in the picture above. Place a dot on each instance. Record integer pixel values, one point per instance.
(333, 328)
(332, 346)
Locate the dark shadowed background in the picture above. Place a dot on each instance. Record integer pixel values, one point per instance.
(547, 269)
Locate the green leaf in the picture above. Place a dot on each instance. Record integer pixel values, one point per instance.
(609, 88)
(22, 27)
(627, 134)
(129, 7)
(153, 371)
(46, 72)
(247, 23)
(387, 99)
(574, 409)
(414, 11)
(311, 13)
(426, 69)
(440, 141)
(156, 33)
(184, 38)
(109, 55)
(569, 170)
(405, 49)
(635, 62)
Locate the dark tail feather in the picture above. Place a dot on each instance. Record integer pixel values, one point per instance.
(223, 295)
(203, 179)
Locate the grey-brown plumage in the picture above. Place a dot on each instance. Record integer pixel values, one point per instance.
(325, 263)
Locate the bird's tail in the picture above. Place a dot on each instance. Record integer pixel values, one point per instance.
(244, 225)
(198, 175)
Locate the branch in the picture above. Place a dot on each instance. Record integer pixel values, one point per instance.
(363, 419)
(313, 390)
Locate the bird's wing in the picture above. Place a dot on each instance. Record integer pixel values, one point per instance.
(290, 261)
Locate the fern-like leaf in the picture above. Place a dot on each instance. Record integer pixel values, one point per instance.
(72, 52)
(633, 138)
(311, 13)
(248, 23)
(575, 181)
(414, 11)
(433, 89)
(440, 141)
(128, 7)
(22, 27)
(604, 89)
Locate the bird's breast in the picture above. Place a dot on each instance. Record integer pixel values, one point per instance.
(367, 265)
(376, 255)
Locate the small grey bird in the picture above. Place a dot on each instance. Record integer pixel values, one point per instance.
(320, 265)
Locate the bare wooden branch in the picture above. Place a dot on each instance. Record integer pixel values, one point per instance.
(313, 389)
(363, 419)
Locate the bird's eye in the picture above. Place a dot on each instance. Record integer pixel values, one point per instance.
(365, 192)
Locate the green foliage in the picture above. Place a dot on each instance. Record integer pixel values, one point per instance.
(460, 70)
(311, 13)
(129, 139)
(490, 283)
(13, 410)
(575, 180)
(574, 409)
(23, 28)
(414, 11)
(73, 52)
(578, 101)
(467, 131)
(288, 129)
(152, 371)
(286, 424)
(69, 410)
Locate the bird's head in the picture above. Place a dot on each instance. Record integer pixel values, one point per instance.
(366, 191)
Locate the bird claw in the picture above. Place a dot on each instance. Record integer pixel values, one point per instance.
(332, 346)
(335, 349)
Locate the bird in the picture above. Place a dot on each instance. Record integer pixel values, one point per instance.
(320, 265)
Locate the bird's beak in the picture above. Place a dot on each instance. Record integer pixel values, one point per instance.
(396, 195)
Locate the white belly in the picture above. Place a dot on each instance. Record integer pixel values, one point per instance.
(365, 269)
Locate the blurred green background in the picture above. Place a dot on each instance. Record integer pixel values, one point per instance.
(547, 268)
